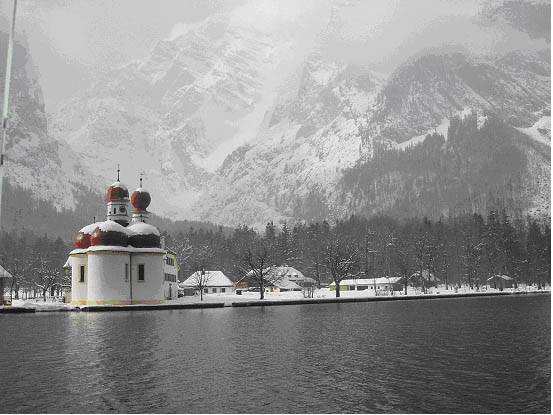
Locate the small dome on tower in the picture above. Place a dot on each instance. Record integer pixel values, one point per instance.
(140, 199)
(117, 192)
(82, 240)
(109, 233)
(144, 235)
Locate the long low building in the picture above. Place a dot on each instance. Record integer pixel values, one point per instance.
(361, 284)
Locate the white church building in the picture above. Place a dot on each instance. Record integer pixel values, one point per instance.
(121, 260)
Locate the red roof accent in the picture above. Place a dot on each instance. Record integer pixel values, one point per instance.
(82, 240)
(117, 192)
(140, 199)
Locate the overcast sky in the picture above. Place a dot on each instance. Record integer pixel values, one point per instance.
(70, 40)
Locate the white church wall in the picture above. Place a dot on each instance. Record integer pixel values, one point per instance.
(79, 290)
(150, 290)
(108, 283)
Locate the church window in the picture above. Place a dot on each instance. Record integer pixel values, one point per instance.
(122, 209)
(126, 272)
(140, 272)
(81, 276)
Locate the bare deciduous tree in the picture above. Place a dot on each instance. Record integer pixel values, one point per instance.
(341, 260)
(254, 260)
(202, 260)
(200, 280)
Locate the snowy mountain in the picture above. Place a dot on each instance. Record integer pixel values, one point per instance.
(421, 93)
(242, 118)
(201, 93)
(341, 114)
(300, 151)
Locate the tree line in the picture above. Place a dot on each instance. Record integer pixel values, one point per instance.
(467, 249)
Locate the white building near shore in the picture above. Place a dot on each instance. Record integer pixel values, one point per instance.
(361, 284)
(214, 282)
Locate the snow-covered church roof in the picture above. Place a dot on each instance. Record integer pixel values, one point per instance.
(143, 228)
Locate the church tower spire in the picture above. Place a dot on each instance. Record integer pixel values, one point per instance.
(117, 202)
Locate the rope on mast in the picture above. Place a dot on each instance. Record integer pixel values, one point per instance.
(7, 80)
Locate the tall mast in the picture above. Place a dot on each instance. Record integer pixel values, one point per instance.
(5, 106)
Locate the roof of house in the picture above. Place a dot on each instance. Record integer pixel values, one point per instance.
(283, 271)
(4, 273)
(286, 284)
(283, 277)
(275, 273)
(426, 274)
(369, 281)
(213, 279)
(505, 277)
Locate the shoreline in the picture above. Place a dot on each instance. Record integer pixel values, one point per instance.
(260, 303)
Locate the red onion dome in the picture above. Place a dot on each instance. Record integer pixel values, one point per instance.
(82, 240)
(109, 233)
(140, 199)
(117, 192)
(144, 235)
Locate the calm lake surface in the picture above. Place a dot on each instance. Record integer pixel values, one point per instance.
(450, 355)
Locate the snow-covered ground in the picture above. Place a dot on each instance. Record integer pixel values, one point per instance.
(40, 305)
(326, 293)
(540, 131)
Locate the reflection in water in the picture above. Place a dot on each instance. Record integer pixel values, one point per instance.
(455, 355)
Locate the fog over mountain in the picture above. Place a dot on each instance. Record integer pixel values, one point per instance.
(244, 112)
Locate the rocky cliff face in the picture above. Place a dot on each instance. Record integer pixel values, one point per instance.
(35, 161)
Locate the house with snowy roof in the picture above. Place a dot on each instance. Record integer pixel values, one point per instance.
(121, 260)
(500, 282)
(278, 279)
(212, 282)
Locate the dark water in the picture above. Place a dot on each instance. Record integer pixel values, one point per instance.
(452, 355)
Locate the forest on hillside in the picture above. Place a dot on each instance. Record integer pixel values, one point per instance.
(482, 164)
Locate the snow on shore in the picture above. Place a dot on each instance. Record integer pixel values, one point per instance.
(326, 293)
(39, 305)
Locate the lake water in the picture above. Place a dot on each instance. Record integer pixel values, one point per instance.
(450, 355)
